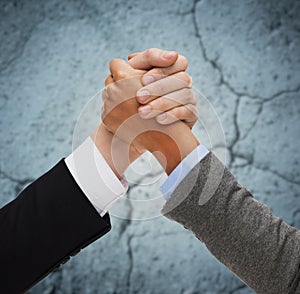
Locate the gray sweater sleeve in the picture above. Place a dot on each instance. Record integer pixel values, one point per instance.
(258, 247)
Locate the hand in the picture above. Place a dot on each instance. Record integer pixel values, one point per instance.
(103, 138)
(170, 95)
(121, 88)
(179, 105)
(120, 115)
(113, 149)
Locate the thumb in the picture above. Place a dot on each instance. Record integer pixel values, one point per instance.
(153, 57)
(130, 56)
(120, 69)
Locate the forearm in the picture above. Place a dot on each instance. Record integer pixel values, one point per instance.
(170, 144)
(49, 221)
(258, 247)
(117, 153)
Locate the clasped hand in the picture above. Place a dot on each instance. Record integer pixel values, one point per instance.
(148, 104)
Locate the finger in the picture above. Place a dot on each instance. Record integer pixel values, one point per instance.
(162, 104)
(120, 69)
(109, 79)
(186, 113)
(158, 73)
(126, 80)
(164, 86)
(130, 56)
(153, 58)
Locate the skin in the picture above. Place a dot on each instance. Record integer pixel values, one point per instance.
(176, 106)
(169, 143)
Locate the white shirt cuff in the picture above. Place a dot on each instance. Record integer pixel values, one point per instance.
(95, 177)
(182, 169)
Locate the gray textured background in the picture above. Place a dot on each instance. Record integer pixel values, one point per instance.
(244, 55)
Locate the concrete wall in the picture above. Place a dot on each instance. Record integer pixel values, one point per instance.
(244, 56)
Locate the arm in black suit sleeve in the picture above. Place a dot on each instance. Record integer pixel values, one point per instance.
(49, 221)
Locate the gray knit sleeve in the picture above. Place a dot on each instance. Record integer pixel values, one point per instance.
(261, 249)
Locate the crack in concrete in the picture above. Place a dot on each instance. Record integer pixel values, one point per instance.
(126, 222)
(185, 13)
(124, 227)
(130, 255)
(223, 81)
(237, 133)
(131, 262)
(248, 159)
(260, 109)
(297, 89)
(20, 183)
(250, 162)
(15, 180)
(215, 65)
(296, 212)
(21, 47)
(285, 178)
(20, 52)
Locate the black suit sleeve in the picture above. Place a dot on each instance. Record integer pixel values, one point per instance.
(47, 223)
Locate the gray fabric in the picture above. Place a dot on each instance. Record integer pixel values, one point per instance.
(258, 247)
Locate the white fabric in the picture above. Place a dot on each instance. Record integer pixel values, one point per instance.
(182, 169)
(102, 187)
(95, 177)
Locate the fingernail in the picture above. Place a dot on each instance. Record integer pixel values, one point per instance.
(143, 95)
(169, 54)
(148, 80)
(144, 110)
(162, 116)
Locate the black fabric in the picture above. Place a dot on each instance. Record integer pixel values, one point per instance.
(48, 222)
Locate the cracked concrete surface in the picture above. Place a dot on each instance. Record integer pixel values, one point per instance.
(244, 56)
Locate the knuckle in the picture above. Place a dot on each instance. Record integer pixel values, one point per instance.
(112, 62)
(187, 78)
(159, 72)
(177, 112)
(120, 74)
(163, 103)
(192, 111)
(161, 89)
(189, 96)
(150, 52)
(194, 98)
(156, 89)
(184, 77)
(183, 62)
(185, 92)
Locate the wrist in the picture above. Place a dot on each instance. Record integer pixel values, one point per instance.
(170, 145)
(118, 154)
